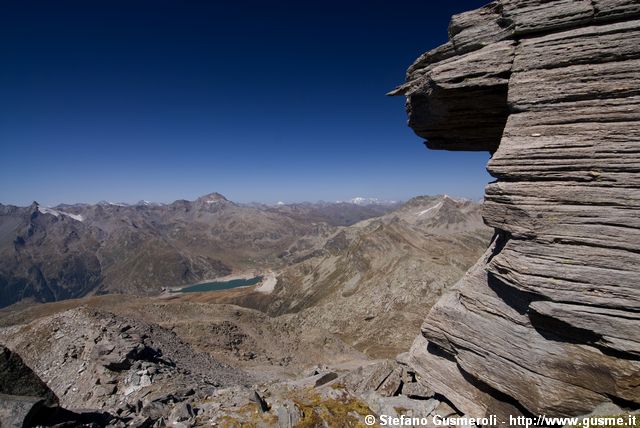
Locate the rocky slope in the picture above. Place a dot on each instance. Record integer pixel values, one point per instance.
(547, 322)
(49, 254)
(155, 362)
(145, 361)
(46, 257)
(129, 372)
(372, 283)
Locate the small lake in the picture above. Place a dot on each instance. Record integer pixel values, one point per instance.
(220, 285)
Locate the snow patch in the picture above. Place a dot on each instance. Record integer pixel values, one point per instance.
(57, 213)
(49, 211)
(436, 206)
(76, 217)
(115, 204)
(359, 200)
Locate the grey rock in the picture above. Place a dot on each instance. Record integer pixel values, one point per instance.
(610, 328)
(385, 374)
(534, 16)
(400, 405)
(478, 28)
(18, 411)
(140, 422)
(288, 414)
(416, 390)
(181, 412)
(326, 378)
(392, 385)
(154, 410)
(547, 320)
(16, 378)
(257, 398)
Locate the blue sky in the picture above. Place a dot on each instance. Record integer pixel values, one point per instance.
(260, 101)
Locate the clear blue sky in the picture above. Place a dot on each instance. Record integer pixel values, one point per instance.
(260, 101)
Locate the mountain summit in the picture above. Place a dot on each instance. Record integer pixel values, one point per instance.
(212, 198)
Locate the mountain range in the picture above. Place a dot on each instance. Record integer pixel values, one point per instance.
(348, 283)
(73, 250)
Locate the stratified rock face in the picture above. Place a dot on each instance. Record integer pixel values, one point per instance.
(548, 322)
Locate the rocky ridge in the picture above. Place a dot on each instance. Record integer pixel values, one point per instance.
(108, 369)
(85, 355)
(547, 321)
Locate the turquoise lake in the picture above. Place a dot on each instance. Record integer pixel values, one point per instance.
(220, 285)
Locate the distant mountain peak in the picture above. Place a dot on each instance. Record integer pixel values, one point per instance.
(145, 203)
(212, 198)
(359, 200)
(456, 198)
(107, 203)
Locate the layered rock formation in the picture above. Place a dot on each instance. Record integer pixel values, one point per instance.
(548, 320)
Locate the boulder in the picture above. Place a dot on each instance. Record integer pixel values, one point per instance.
(16, 378)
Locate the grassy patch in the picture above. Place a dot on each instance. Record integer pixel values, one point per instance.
(315, 410)
(401, 410)
(334, 412)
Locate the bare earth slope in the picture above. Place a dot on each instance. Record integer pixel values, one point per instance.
(547, 321)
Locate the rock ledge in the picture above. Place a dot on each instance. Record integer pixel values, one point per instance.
(547, 322)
